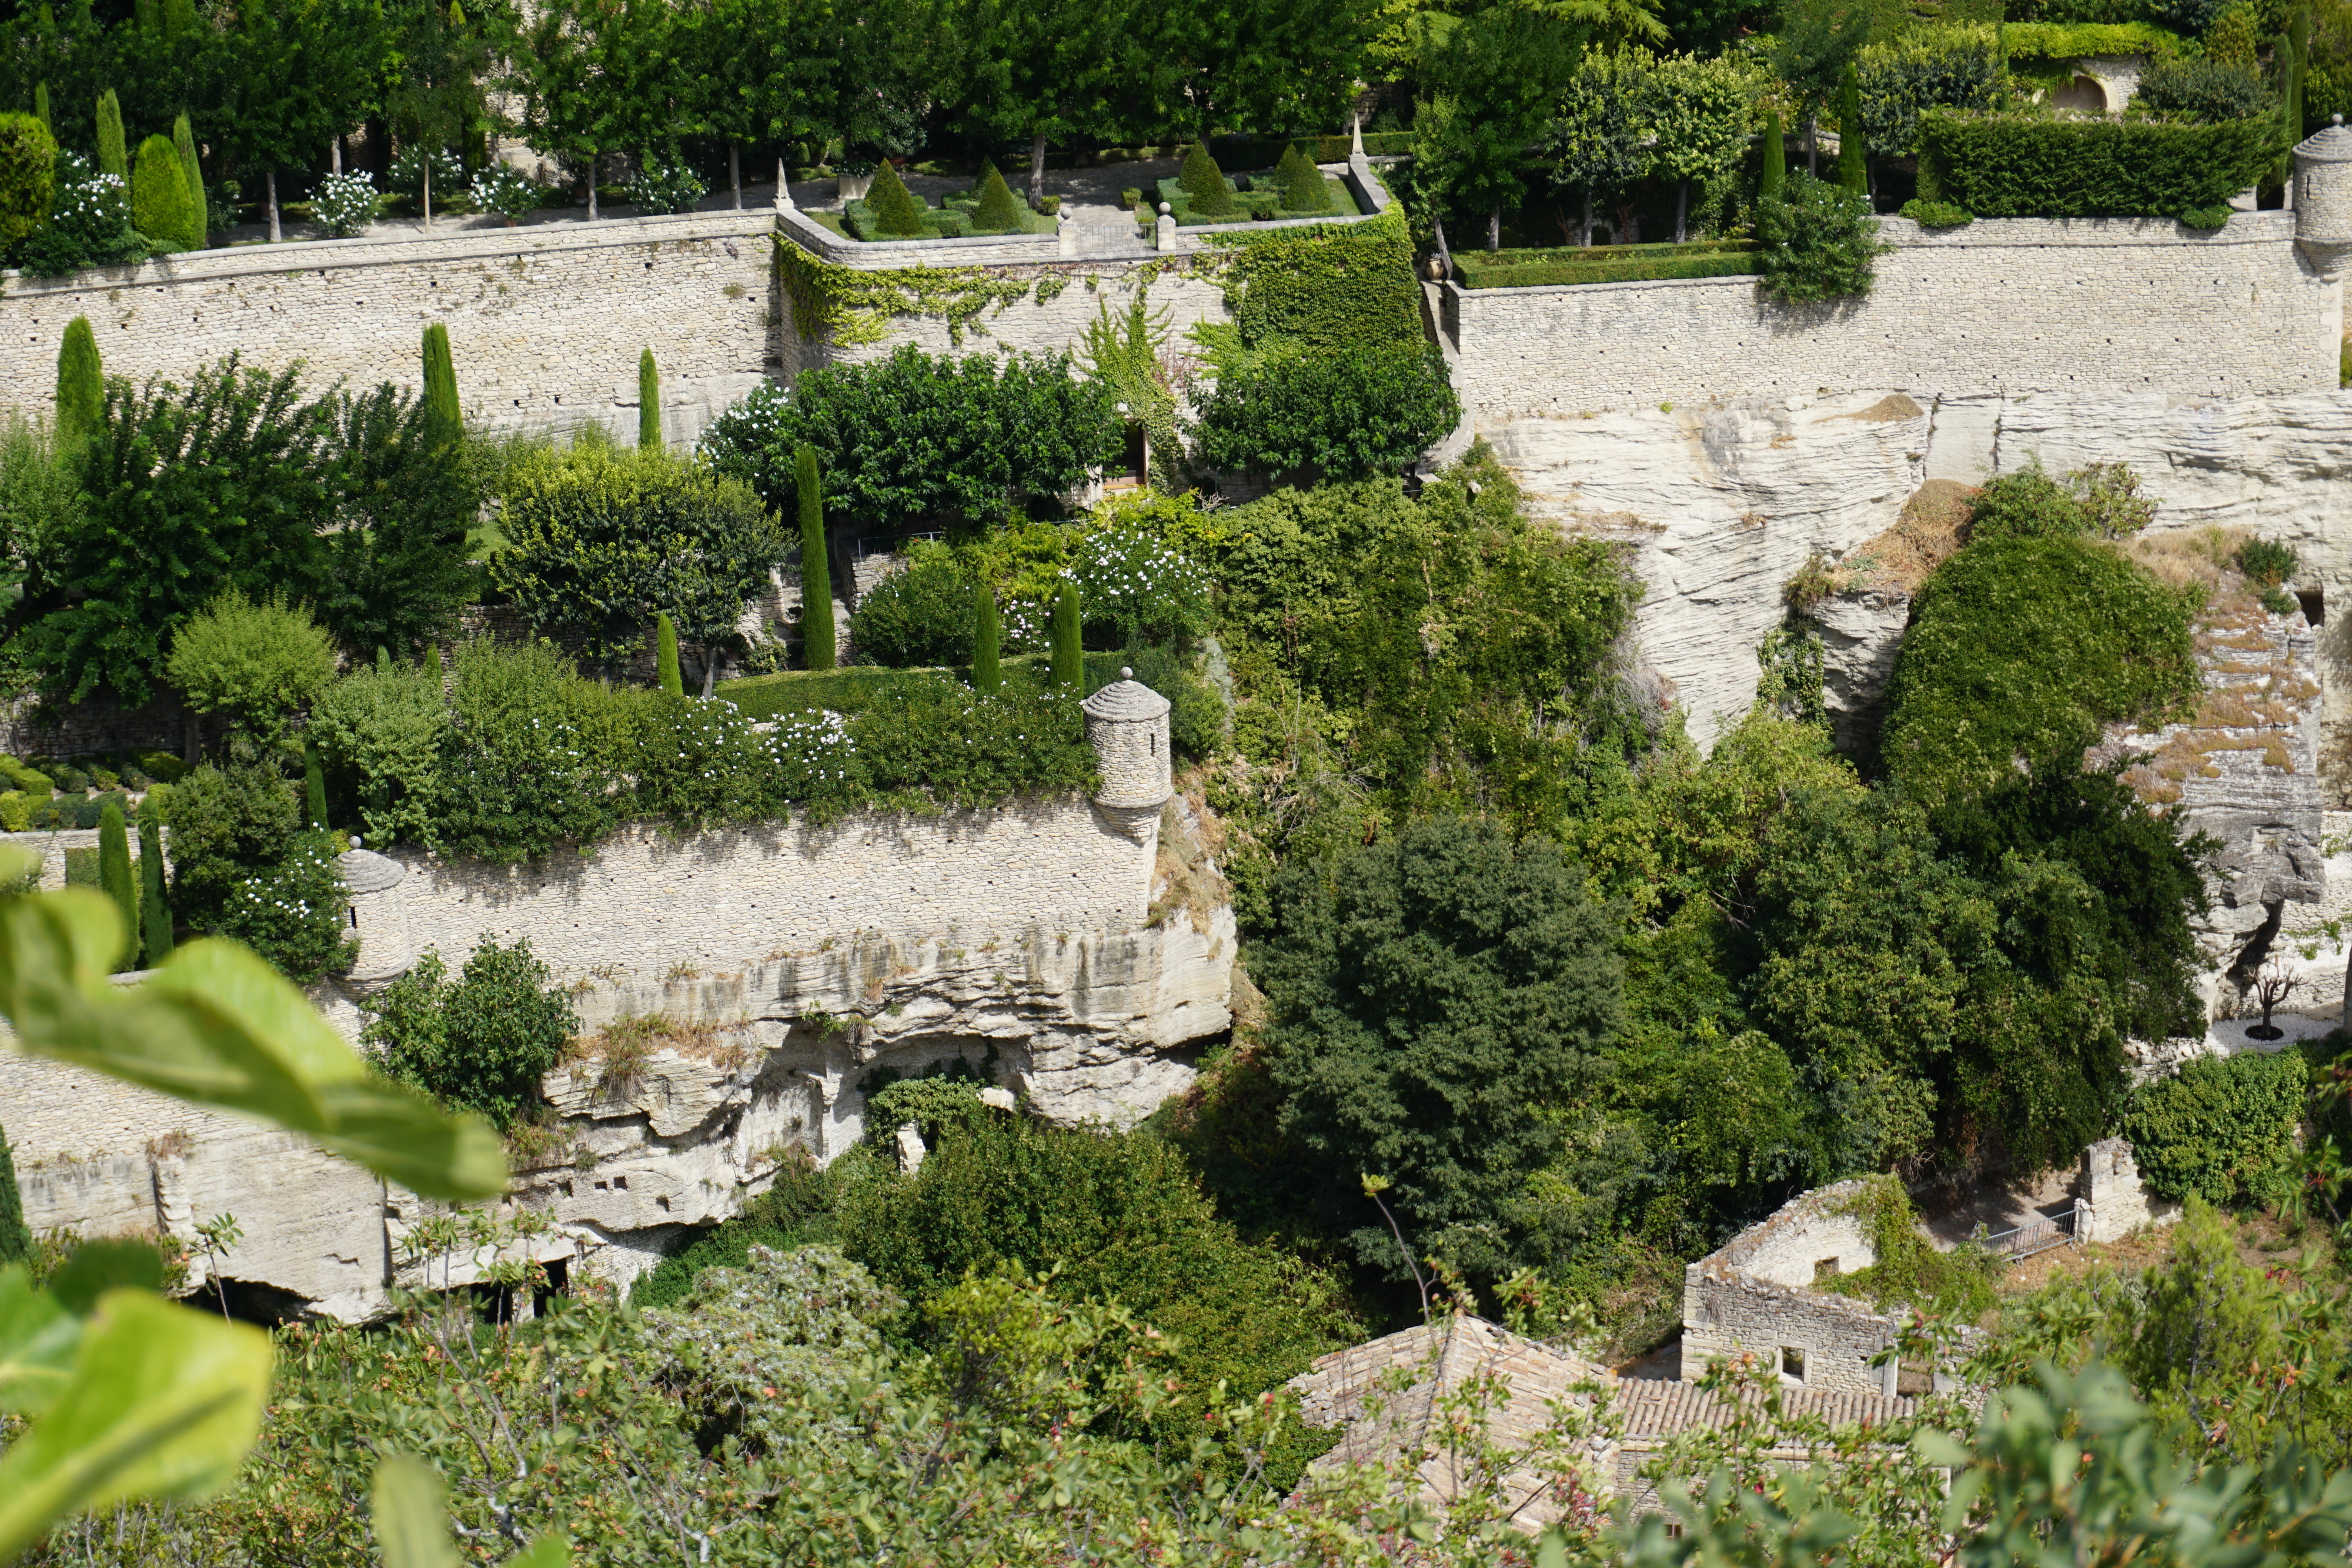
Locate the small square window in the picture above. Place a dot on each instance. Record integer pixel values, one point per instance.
(1825, 1269)
(1792, 1363)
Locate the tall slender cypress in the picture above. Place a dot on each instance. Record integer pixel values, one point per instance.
(113, 151)
(1773, 177)
(648, 401)
(154, 912)
(81, 387)
(1853, 173)
(41, 107)
(186, 140)
(816, 568)
(114, 878)
(1069, 657)
(15, 1240)
(314, 785)
(666, 656)
(987, 643)
(445, 426)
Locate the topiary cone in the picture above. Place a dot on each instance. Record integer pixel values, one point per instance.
(1202, 181)
(114, 878)
(159, 205)
(666, 656)
(987, 642)
(1303, 189)
(81, 387)
(998, 213)
(186, 140)
(154, 914)
(817, 643)
(113, 152)
(893, 206)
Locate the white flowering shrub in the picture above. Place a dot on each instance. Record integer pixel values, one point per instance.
(345, 204)
(89, 223)
(665, 186)
(1134, 588)
(752, 423)
(292, 914)
(502, 190)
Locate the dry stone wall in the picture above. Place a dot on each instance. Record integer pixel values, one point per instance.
(2003, 305)
(1767, 1294)
(545, 322)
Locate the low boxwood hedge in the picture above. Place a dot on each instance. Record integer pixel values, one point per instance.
(1607, 264)
(1256, 198)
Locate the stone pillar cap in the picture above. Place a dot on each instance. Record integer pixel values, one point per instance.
(2333, 145)
(1126, 698)
(364, 871)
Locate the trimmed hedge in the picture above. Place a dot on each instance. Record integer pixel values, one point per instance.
(2013, 166)
(1609, 263)
(2076, 40)
(1254, 197)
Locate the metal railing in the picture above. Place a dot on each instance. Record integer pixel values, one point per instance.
(2038, 1234)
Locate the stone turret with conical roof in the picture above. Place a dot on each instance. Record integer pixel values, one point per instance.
(378, 917)
(2323, 197)
(1126, 724)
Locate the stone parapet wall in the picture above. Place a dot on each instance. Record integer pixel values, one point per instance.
(2003, 304)
(646, 903)
(545, 322)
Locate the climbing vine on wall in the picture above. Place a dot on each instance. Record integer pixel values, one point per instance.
(848, 306)
(1333, 286)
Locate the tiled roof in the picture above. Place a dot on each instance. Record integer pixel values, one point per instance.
(1653, 1408)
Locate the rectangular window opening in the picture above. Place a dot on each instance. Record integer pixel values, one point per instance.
(1792, 1363)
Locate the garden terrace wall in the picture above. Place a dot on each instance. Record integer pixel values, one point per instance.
(546, 321)
(2010, 306)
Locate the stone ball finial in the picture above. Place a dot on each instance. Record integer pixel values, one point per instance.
(1165, 209)
(1124, 674)
(358, 842)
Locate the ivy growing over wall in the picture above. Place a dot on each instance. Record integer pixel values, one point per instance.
(1340, 286)
(848, 306)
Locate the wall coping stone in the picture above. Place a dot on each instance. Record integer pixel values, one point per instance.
(465, 245)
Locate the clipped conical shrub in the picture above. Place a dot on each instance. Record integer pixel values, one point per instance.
(1303, 189)
(893, 206)
(186, 140)
(1070, 654)
(154, 912)
(28, 176)
(114, 878)
(314, 785)
(113, 152)
(980, 181)
(159, 205)
(666, 656)
(648, 401)
(81, 386)
(816, 568)
(1204, 183)
(15, 1240)
(445, 424)
(41, 107)
(1772, 179)
(987, 642)
(998, 213)
(1853, 173)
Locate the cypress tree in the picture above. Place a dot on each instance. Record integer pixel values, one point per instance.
(15, 1240)
(179, 17)
(1853, 173)
(41, 107)
(1069, 657)
(81, 387)
(1774, 175)
(186, 140)
(154, 914)
(444, 426)
(998, 213)
(666, 656)
(160, 207)
(1205, 183)
(988, 637)
(113, 152)
(648, 401)
(1303, 189)
(893, 206)
(114, 877)
(817, 570)
(314, 785)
